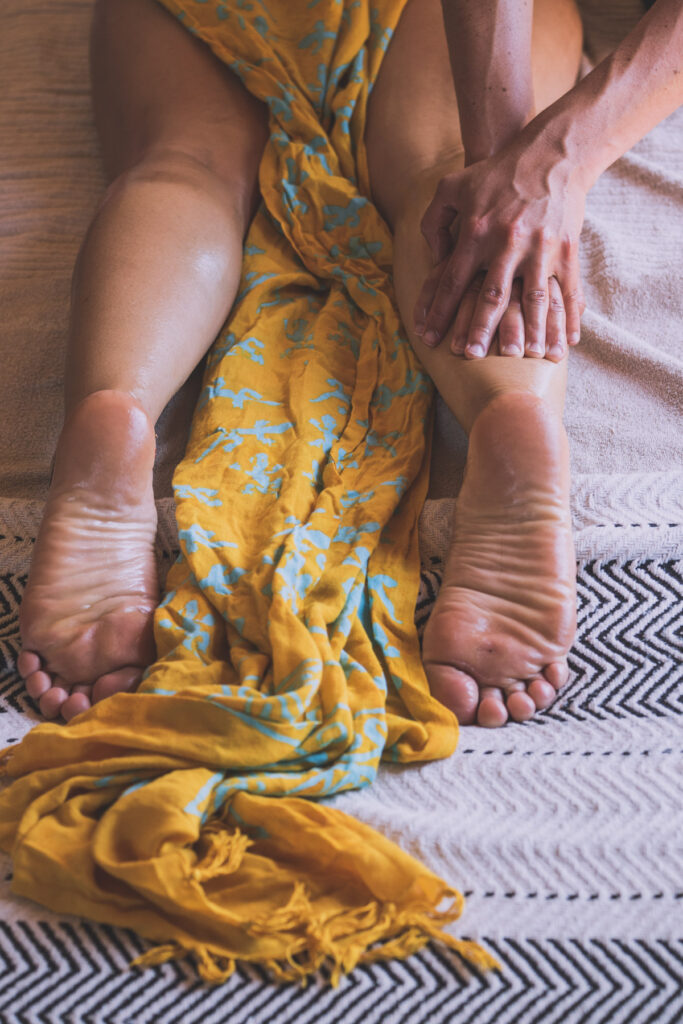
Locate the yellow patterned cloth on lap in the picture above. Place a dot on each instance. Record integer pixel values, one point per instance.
(288, 661)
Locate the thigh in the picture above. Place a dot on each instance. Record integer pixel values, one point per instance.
(412, 125)
(155, 87)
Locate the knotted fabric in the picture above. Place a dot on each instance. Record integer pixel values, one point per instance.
(288, 660)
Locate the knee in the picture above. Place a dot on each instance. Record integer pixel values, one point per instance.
(197, 219)
(187, 178)
(405, 205)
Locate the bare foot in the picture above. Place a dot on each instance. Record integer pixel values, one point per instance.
(496, 642)
(86, 615)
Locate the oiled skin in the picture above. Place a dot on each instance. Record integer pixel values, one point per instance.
(180, 133)
(93, 586)
(505, 617)
(496, 643)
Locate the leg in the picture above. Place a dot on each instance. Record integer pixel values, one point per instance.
(505, 616)
(154, 281)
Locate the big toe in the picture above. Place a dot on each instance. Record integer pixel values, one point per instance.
(124, 680)
(456, 690)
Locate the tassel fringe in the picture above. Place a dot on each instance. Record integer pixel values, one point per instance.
(222, 852)
(364, 935)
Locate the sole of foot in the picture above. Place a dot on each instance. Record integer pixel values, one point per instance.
(86, 614)
(496, 643)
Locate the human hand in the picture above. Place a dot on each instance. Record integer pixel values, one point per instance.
(517, 214)
(510, 338)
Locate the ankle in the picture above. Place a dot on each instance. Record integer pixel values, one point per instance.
(507, 412)
(104, 397)
(506, 401)
(107, 440)
(486, 389)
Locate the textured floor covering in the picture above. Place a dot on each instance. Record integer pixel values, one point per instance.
(563, 833)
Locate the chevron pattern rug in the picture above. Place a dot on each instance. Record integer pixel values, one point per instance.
(562, 831)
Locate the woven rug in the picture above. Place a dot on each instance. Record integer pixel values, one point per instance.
(564, 829)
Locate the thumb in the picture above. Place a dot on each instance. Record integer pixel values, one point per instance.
(437, 221)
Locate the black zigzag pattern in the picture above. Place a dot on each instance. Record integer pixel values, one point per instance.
(12, 692)
(78, 974)
(626, 660)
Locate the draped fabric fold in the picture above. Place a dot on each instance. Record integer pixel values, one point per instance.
(288, 661)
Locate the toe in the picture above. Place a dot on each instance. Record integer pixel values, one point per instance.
(28, 662)
(521, 706)
(542, 693)
(74, 705)
(51, 702)
(557, 673)
(38, 683)
(492, 712)
(124, 680)
(455, 689)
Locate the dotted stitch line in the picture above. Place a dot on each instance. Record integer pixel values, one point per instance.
(573, 896)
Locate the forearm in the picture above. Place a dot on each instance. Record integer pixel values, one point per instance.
(625, 96)
(489, 43)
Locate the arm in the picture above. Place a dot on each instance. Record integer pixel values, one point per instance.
(489, 44)
(520, 210)
(625, 96)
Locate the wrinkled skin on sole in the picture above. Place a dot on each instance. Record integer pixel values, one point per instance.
(496, 643)
(86, 615)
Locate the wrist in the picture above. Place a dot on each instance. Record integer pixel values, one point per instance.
(555, 148)
(484, 136)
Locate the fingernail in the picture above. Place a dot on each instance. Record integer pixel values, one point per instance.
(457, 345)
(476, 350)
(555, 350)
(573, 339)
(420, 329)
(511, 349)
(536, 348)
(431, 337)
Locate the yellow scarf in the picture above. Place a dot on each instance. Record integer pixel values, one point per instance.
(288, 661)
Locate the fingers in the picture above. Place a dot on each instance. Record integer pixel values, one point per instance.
(511, 327)
(449, 292)
(535, 305)
(437, 221)
(456, 276)
(492, 302)
(456, 273)
(515, 336)
(572, 295)
(426, 297)
(556, 327)
(463, 318)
